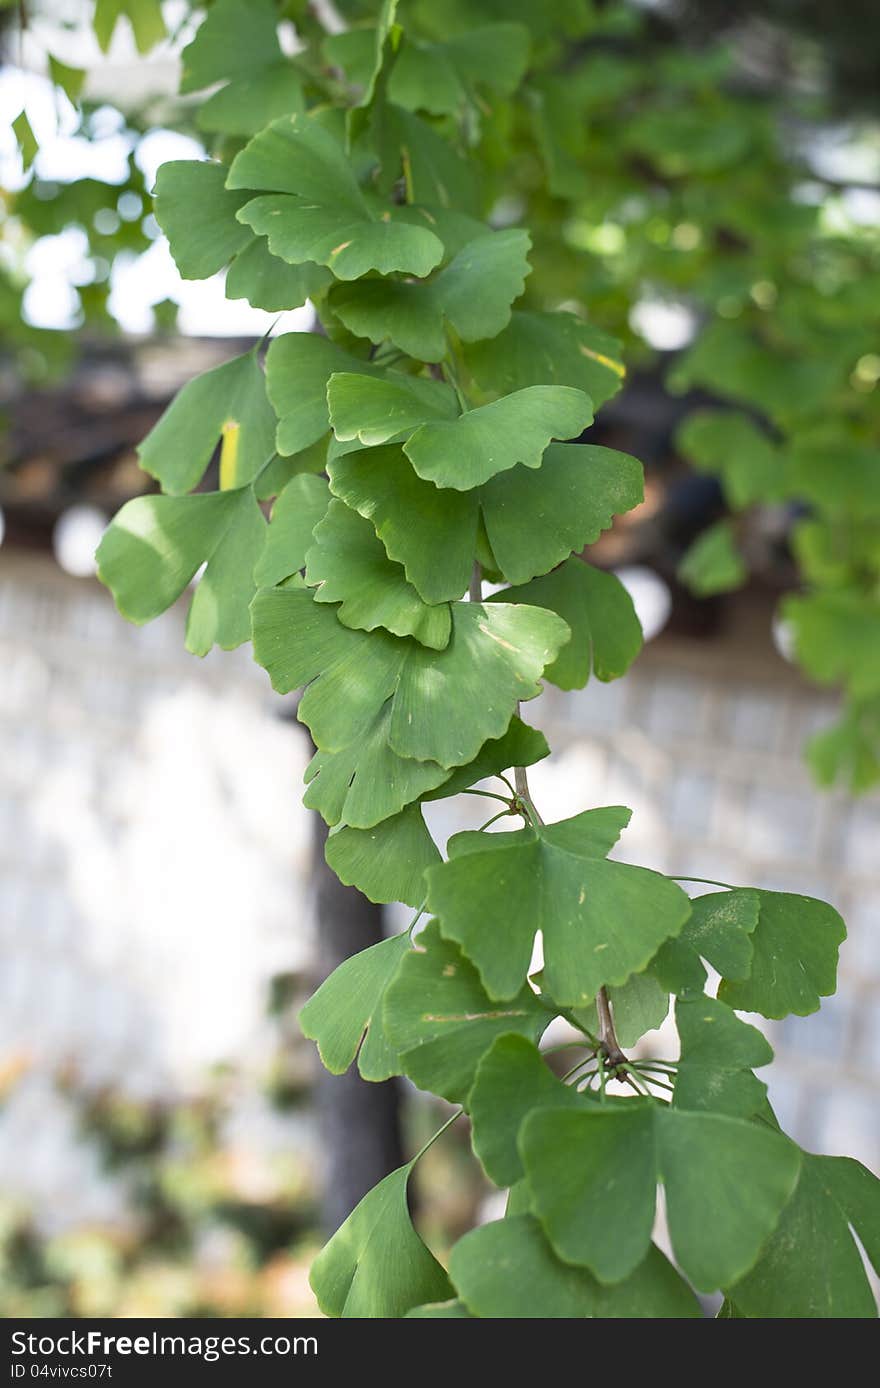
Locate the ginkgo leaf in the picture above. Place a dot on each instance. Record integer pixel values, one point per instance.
(713, 564)
(366, 781)
(387, 862)
(298, 367)
(376, 1265)
(796, 944)
(473, 293)
(247, 104)
(444, 705)
(810, 1267)
(533, 518)
(718, 1054)
(375, 410)
(729, 445)
(837, 638)
(437, 176)
(639, 1005)
(718, 1218)
(547, 347)
(296, 512)
(347, 564)
(606, 635)
(197, 211)
(231, 42)
(312, 209)
(338, 1016)
(155, 544)
(179, 448)
(464, 452)
(438, 77)
(439, 1018)
(271, 284)
(720, 929)
(508, 1270)
(511, 1081)
(602, 921)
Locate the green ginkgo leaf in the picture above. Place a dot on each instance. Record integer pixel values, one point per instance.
(593, 1176)
(346, 564)
(248, 104)
(155, 544)
(462, 453)
(387, 862)
(197, 211)
(297, 510)
(366, 781)
(810, 1267)
(796, 943)
(439, 77)
(720, 929)
(473, 293)
(298, 367)
(508, 1270)
(511, 1081)
(376, 1265)
(606, 635)
(238, 46)
(271, 284)
(533, 518)
(547, 347)
(837, 638)
(340, 1014)
(444, 705)
(228, 399)
(602, 921)
(375, 410)
(232, 41)
(441, 1021)
(718, 1054)
(312, 209)
(713, 564)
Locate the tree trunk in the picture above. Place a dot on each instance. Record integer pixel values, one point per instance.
(359, 1123)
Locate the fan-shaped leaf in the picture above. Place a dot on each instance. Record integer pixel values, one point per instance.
(337, 1017)
(444, 705)
(593, 1177)
(376, 1265)
(387, 862)
(464, 452)
(602, 921)
(508, 1270)
(155, 544)
(810, 1267)
(533, 519)
(296, 512)
(473, 293)
(547, 347)
(179, 448)
(606, 635)
(313, 210)
(796, 943)
(718, 1054)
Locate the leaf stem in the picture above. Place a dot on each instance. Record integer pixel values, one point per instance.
(499, 815)
(489, 795)
(439, 1133)
(710, 881)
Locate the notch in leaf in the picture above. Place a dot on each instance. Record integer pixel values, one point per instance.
(339, 1017)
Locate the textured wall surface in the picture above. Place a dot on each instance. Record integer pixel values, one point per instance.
(153, 855)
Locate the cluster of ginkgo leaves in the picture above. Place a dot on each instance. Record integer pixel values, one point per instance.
(428, 437)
